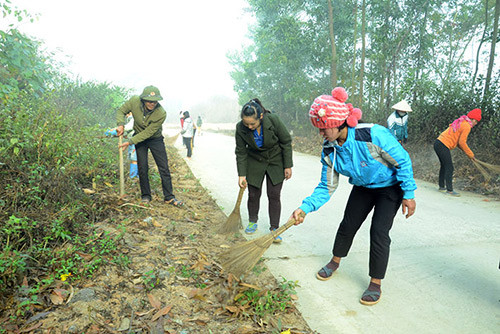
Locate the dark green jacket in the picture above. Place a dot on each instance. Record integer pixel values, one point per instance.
(146, 124)
(273, 157)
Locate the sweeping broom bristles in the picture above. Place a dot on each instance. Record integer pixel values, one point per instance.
(233, 222)
(483, 171)
(172, 140)
(243, 257)
(493, 168)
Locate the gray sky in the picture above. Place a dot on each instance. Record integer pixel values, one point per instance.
(179, 46)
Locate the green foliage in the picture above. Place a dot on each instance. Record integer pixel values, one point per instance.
(150, 279)
(265, 302)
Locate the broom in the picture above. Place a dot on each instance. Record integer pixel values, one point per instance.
(493, 168)
(172, 140)
(122, 176)
(233, 222)
(483, 170)
(241, 258)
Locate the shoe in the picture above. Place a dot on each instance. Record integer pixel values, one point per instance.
(278, 239)
(175, 202)
(251, 228)
(145, 199)
(453, 193)
(442, 189)
(327, 271)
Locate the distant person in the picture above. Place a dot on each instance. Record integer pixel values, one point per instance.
(181, 118)
(187, 133)
(263, 150)
(199, 123)
(379, 169)
(397, 122)
(148, 116)
(455, 135)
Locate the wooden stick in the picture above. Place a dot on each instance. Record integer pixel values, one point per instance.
(122, 177)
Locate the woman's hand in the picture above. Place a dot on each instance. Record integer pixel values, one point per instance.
(242, 181)
(408, 206)
(298, 215)
(124, 145)
(288, 173)
(119, 130)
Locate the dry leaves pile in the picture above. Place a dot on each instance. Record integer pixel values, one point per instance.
(172, 282)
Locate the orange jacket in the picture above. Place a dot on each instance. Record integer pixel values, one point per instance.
(451, 139)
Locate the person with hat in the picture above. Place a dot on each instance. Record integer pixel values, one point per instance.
(263, 150)
(148, 116)
(188, 133)
(381, 173)
(397, 122)
(455, 135)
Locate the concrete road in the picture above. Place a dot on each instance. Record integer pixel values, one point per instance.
(443, 274)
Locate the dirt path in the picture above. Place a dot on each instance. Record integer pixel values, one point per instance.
(443, 274)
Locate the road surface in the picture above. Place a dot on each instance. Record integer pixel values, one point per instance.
(443, 274)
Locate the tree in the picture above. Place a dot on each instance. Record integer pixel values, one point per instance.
(492, 50)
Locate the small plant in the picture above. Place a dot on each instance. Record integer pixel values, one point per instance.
(267, 302)
(150, 280)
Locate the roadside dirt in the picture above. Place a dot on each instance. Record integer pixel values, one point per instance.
(173, 282)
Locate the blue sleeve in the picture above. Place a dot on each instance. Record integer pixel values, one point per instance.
(324, 190)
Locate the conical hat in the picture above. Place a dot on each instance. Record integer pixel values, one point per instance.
(402, 106)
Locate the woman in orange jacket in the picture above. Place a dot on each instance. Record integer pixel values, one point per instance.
(455, 135)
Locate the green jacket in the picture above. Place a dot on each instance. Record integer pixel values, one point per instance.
(146, 124)
(272, 158)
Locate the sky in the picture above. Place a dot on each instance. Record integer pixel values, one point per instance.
(179, 46)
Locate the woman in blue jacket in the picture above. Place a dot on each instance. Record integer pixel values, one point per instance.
(381, 173)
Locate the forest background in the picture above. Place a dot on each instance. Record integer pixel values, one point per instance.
(439, 55)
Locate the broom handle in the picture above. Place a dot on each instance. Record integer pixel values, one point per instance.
(240, 197)
(285, 227)
(122, 177)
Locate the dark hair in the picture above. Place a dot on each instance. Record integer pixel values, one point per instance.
(186, 114)
(253, 108)
(343, 125)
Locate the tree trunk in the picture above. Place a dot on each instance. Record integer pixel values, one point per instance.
(480, 45)
(363, 50)
(492, 51)
(333, 65)
(353, 70)
(416, 87)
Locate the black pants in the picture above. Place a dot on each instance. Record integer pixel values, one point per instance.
(386, 202)
(188, 142)
(274, 198)
(446, 169)
(157, 148)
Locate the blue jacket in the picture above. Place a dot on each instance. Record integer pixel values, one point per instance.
(371, 157)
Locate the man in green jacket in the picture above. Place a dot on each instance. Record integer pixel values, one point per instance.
(149, 116)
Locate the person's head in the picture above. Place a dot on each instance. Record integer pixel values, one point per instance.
(475, 116)
(402, 108)
(331, 115)
(150, 97)
(186, 114)
(252, 114)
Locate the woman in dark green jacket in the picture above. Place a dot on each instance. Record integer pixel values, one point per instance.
(263, 149)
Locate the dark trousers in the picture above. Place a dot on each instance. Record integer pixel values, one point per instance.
(188, 142)
(157, 148)
(446, 169)
(274, 198)
(386, 202)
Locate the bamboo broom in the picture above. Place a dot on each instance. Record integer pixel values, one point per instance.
(243, 257)
(483, 171)
(493, 168)
(233, 222)
(172, 140)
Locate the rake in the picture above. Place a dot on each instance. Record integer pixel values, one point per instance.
(243, 257)
(233, 222)
(172, 140)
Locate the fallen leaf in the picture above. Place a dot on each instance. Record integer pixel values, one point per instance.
(156, 224)
(108, 184)
(140, 314)
(161, 312)
(251, 286)
(88, 191)
(154, 302)
(56, 298)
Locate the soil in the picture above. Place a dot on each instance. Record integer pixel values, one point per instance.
(174, 283)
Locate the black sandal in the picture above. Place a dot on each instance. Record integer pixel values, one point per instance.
(175, 202)
(327, 271)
